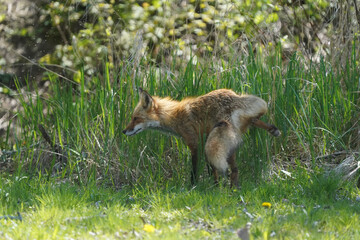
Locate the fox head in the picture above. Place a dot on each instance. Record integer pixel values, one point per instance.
(144, 115)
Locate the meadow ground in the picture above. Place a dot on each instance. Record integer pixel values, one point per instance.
(302, 207)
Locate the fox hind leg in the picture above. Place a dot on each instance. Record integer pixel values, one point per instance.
(272, 129)
(216, 175)
(234, 176)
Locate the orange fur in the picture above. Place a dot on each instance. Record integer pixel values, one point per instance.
(194, 117)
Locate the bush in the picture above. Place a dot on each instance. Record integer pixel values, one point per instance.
(92, 31)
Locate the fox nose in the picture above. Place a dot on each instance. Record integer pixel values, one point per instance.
(124, 131)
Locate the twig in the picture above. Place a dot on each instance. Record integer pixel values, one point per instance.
(56, 148)
(44, 68)
(138, 42)
(348, 169)
(18, 217)
(335, 154)
(357, 13)
(46, 136)
(84, 218)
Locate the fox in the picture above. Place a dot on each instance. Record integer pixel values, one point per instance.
(220, 116)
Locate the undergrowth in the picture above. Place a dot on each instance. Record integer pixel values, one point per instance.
(315, 106)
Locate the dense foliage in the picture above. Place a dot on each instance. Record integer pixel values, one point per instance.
(87, 32)
(91, 29)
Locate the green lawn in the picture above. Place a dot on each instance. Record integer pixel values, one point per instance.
(301, 208)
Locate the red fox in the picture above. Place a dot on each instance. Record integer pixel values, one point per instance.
(222, 116)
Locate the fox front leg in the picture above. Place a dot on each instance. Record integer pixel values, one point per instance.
(194, 161)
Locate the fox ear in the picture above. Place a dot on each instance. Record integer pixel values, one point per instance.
(145, 99)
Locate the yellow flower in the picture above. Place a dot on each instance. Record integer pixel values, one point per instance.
(205, 233)
(45, 59)
(77, 76)
(149, 228)
(57, 19)
(108, 31)
(266, 204)
(2, 17)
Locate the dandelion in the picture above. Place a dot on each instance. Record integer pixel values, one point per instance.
(205, 233)
(149, 228)
(145, 5)
(266, 204)
(108, 31)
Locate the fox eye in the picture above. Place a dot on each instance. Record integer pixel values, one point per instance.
(135, 118)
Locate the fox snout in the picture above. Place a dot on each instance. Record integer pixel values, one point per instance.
(133, 129)
(130, 132)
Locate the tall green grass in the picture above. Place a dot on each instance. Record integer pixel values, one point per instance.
(313, 104)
